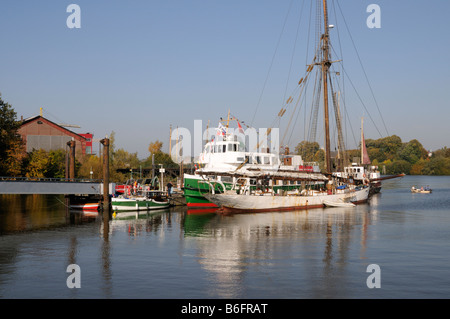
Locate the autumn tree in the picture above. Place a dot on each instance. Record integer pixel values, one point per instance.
(48, 164)
(11, 144)
(160, 157)
(417, 168)
(119, 159)
(123, 160)
(15, 157)
(88, 164)
(155, 147)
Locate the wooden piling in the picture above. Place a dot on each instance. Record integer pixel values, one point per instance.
(71, 165)
(106, 199)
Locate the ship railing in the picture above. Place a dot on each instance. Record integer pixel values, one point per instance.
(47, 179)
(211, 186)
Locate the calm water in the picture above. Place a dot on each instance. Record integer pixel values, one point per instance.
(178, 254)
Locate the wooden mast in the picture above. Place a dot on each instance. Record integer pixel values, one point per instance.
(325, 67)
(362, 141)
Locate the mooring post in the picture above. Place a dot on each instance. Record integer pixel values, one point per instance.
(106, 199)
(71, 145)
(67, 172)
(66, 175)
(70, 170)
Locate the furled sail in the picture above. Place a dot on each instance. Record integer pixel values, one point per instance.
(365, 160)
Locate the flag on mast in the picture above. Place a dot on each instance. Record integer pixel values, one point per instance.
(221, 130)
(241, 130)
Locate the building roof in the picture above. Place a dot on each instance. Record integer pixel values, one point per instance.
(51, 123)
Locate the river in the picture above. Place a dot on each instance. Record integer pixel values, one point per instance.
(180, 254)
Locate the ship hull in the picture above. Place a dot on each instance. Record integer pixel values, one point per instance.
(130, 204)
(236, 203)
(194, 191)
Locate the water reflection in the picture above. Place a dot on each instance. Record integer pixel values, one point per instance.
(198, 253)
(142, 222)
(229, 246)
(231, 250)
(22, 213)
(105, 263)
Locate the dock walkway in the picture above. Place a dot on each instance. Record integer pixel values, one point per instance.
(23, 185)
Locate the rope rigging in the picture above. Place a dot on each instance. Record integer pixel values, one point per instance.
(336, 84)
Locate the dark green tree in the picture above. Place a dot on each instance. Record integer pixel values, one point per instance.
(398, 167)
(412, 152)
(437, 166)
(385, 148)
(308, 150)
(56, 166)
(443, 152)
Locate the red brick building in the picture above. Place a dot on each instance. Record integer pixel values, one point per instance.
(41, 133)
(89, 137)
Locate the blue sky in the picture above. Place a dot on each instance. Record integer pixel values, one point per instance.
(137, 67)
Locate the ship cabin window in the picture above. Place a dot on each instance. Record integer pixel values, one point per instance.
(248, 159)
(232, 147)
(224, 147)
(266, 160)
(219, 148)
(258, 159)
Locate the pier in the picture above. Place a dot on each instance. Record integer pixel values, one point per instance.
(24, 185)
(75, 190)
